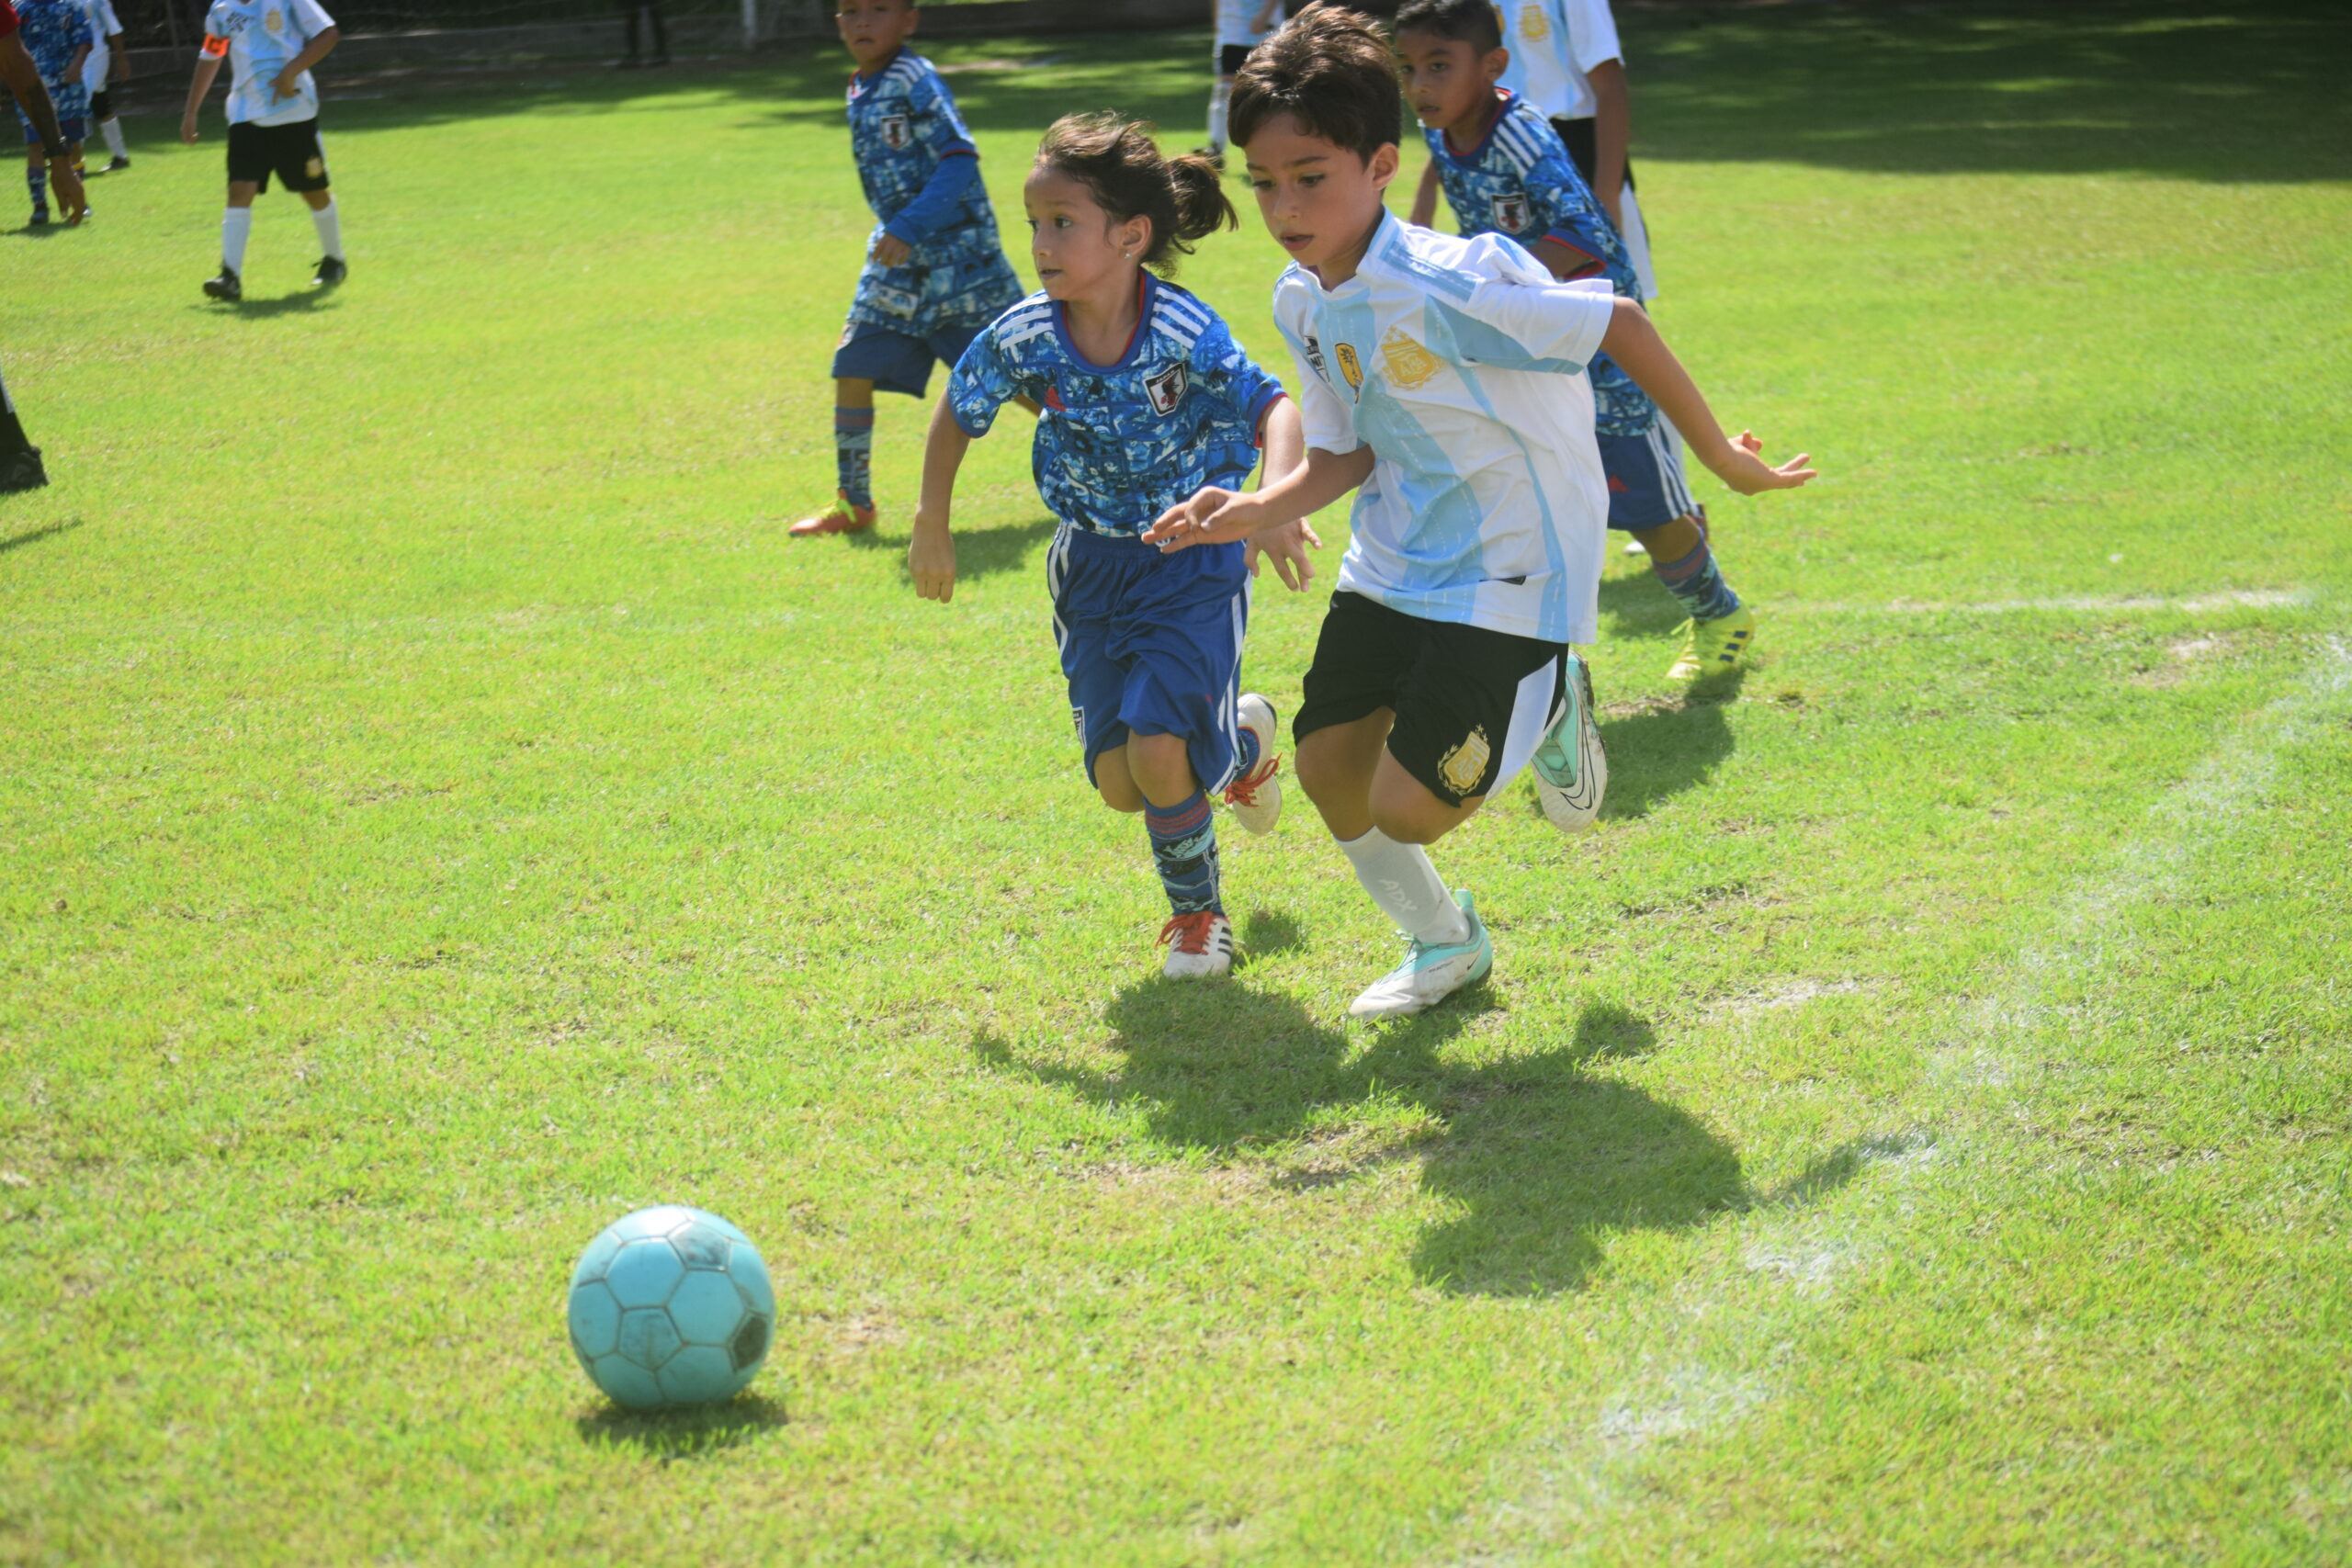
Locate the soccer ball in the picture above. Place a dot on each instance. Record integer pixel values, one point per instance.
(671, 1306)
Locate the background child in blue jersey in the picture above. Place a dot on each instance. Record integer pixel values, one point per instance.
(273, 124)
(1145, 397)
(1505, 170)
(936, 272)
(57, 34)
(1440, 375)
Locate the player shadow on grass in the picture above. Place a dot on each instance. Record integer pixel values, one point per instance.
(1659, 746)
(669, 1435)
(35, 536)
(984, 552)
(302, 302)
(1541, 1157)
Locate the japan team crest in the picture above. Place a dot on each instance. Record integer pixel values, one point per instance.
(895, 131)
(1166, 389)
(1510, 212)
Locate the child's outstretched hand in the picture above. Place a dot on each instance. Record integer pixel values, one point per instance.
(891, 250)
(1285, 546)
(931, 559)
(1210, 515)
(1741, 465)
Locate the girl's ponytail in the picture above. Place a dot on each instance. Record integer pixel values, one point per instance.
(1118, 163)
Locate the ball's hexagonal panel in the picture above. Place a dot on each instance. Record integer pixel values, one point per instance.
(699, 1375)
(648, 1337)
(701, 1244)
(744, 1264)
(749, 1346)
(643, 1273)
(706, 1307)
(594, 1318)
(592, 1262)
(626, 1383)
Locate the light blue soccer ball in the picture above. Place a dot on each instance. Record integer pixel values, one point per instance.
(671, 1306)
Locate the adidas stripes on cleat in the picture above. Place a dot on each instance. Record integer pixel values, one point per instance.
(1714, 648)
(1200, 945)
(225, 287)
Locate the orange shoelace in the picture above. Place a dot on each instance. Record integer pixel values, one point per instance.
(1244, 791)
(1190, 932)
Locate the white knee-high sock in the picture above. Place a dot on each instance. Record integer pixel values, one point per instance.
(236, 228)
(1220, 96)
(329, 223)
(1406, 886)
(112, 130)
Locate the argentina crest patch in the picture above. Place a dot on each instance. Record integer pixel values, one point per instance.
(1166, 388)
(1461, 768)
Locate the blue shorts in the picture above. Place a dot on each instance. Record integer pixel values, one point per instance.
(1151, 644)
(1646, 488)
(76, 130)
(896, 362)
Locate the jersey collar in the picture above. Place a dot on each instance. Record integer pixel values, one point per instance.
(1147, 295)
(1504, 96)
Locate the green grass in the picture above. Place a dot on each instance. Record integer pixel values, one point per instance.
(443, 811)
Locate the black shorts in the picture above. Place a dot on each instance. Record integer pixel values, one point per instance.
(101, 106)
(290, 152)
(1231, 58)
(1583, 146)
(1471, 704)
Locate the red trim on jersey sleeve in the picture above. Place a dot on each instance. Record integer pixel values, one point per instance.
(1258, 435)
(213, 48)
(7, 18)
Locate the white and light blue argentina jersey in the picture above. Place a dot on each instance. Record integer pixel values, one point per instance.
(1118, 445)
(260, 37)
(1521, 181)
(1459, 363)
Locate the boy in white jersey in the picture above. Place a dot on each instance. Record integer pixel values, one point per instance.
(1444, 377)
(273, 123)
(1241, 25)
(107, 29)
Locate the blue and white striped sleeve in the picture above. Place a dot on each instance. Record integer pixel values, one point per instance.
(1505, 310)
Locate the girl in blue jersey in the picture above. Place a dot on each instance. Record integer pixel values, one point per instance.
(1143, 398)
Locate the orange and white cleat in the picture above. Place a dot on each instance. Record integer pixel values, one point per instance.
(1256, 796)
(1200, 946)
(840, 517)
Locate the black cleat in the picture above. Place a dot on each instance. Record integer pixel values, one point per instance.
(39, 220)
(22, 470)
(228, 286)
(115, 166)
(332, 271)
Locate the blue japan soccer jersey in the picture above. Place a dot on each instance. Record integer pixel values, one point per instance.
(1118, 445)
(53, 30)
(902, 124)
(1519, 181)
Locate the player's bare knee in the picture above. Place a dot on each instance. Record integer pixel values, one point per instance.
(1161, 766)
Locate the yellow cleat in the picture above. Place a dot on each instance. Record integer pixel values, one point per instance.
(1716, 646)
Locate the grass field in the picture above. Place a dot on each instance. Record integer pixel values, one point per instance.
(444, 811)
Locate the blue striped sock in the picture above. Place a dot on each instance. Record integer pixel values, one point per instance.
(853, 454)
(1183, 845)
(1698, 583)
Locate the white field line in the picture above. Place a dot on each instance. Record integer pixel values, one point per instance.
(2124, 603)
(1554, 1495)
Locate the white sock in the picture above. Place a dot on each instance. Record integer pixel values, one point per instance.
(1219, 96)
(112, 130)
(1406, 888)
(236, 228)
(329, 223)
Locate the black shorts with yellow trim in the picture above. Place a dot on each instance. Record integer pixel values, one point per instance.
(290, 152)
(1471, 704)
